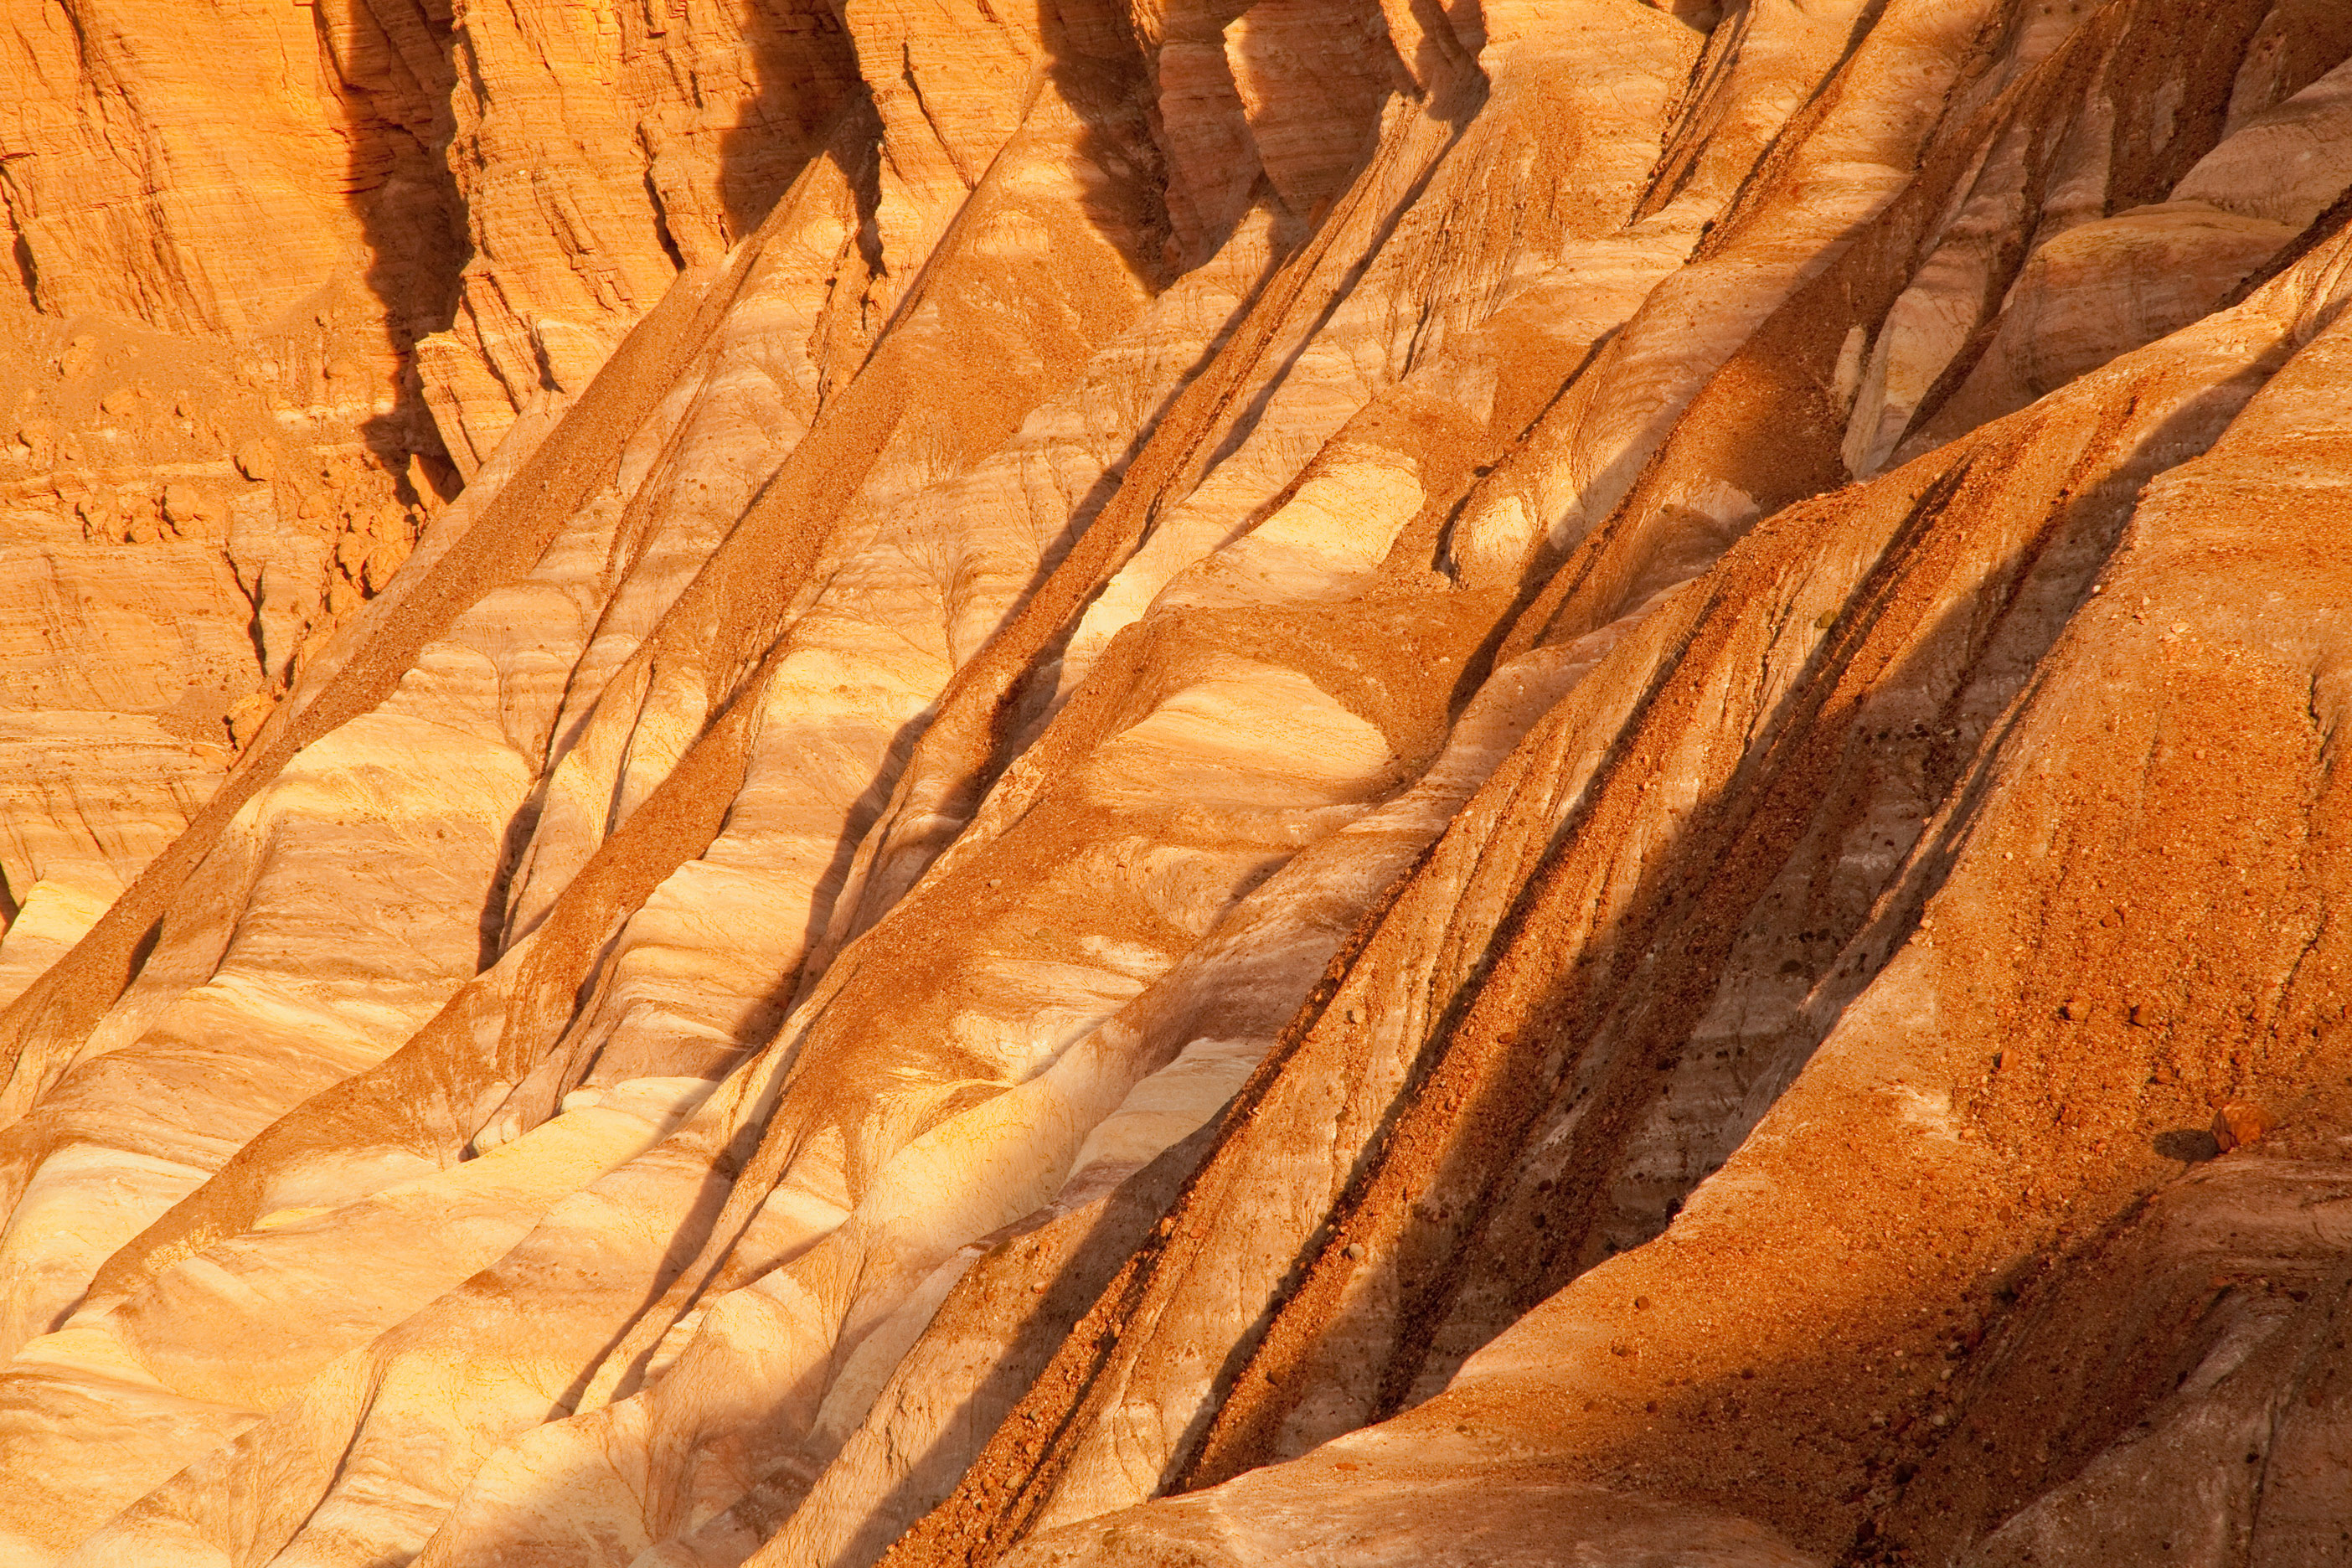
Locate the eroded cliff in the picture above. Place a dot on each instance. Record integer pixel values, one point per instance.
(1309, 782)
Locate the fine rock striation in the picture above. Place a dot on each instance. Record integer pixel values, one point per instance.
(1503, 783)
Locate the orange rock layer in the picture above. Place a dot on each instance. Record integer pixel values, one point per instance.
(1508, 782)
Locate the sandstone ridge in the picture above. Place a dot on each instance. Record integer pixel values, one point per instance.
(1506, 782)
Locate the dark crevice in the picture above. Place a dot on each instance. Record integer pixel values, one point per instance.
(396, 71)
(661, 222)
(2318, 232)
(490, 925)
(26, 272)
(807, 72)
(143, 950)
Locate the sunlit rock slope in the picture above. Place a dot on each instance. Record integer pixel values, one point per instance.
(1510, 782)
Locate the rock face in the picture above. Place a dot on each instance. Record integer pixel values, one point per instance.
(1310, 781)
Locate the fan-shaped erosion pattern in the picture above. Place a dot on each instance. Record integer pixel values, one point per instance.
(1318, 782)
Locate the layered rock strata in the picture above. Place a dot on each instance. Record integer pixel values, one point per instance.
(1289, 783)
(249, 343)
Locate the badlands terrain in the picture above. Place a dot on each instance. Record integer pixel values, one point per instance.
(824, 782)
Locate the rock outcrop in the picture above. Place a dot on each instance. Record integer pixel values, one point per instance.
(1495, 783)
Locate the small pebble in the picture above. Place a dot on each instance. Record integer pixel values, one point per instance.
(2239, 1123)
